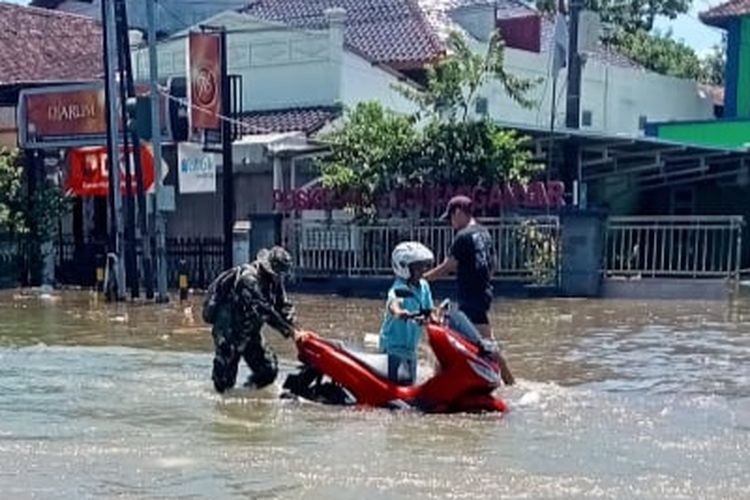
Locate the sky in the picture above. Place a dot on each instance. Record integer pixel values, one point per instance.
(686, 28)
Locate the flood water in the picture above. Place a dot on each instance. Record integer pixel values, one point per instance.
(614, 400)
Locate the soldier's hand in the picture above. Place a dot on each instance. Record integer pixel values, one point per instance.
(300, 335)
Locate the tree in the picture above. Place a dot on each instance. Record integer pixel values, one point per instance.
(713, 65)
(377, 150)
(659, 53)
(631, 15)
(453, 83)
(11, 193)
(29, 221)
(371, 151)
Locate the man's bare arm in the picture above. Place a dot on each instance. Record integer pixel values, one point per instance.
(448, 266)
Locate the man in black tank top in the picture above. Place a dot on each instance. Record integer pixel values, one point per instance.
(471, 257)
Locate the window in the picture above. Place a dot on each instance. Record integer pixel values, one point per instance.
(587, 118)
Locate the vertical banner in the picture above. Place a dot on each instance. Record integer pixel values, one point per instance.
(204, 63)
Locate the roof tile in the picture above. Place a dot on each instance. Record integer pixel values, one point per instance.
(719, 15)
(385, 31)
(308, 120)
(39, 45)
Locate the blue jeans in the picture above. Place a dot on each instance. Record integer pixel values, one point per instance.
(402, 369)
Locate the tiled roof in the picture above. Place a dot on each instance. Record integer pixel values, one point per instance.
(719, 15)
(437, 12)
(393, 32)
(307, 120)
(39, 45)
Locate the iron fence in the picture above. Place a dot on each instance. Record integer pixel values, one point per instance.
(526, 249)
(674, 246)
(200, 258)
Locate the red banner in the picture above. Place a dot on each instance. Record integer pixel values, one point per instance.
(89, 176)
(205, 80)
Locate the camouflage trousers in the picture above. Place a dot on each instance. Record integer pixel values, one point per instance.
(231, 344)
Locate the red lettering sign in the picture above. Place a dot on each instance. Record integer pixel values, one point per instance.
(535, 195)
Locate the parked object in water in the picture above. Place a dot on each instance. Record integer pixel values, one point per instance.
(466, 377)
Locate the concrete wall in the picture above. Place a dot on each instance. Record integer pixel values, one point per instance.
(361, 81)
(280, 67)
(286, 68)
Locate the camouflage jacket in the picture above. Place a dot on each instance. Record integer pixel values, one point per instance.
(255, 297)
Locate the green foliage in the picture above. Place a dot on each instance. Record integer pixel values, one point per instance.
(473, 153)
(371, 151)
(28, 221)
(659, 53)
(12, 218)
(629, 16)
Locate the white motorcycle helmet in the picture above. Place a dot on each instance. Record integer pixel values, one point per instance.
(407, 253)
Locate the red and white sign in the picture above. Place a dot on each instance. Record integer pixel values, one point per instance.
(89, 176)
(204, 59)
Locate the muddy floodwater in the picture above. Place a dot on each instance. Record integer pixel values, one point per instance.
(615, 400)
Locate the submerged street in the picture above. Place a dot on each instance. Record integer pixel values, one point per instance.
(615, 399)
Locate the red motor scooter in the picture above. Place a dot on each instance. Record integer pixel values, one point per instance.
(464, 381)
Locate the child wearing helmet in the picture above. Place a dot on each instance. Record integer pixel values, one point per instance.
(409, 294)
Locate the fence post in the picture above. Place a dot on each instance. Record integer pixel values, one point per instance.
(183, 279)
(99, 273)
(201, 264)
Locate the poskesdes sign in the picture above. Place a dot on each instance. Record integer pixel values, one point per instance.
(88, 174)
(539, 195)
(70, 115)
(197, 169)
(204, 59)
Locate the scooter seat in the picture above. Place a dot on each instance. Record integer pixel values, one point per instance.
(377, 363)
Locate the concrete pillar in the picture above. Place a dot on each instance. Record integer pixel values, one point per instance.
(336, 25)
(583, 234)
(241, 242)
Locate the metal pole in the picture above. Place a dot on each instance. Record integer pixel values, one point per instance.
(227, 161)
(573, 108)
(147, 256)
(113, 164)
(570, 170)
(159, 223)
(123, 52)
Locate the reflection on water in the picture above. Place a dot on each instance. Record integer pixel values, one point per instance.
(615, 400)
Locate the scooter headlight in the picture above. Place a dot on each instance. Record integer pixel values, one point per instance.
(485, 372)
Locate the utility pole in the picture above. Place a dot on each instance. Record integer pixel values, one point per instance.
(159, 225)
(227, 158)
(123, 52)
(114, 266)
(573, 108)
(571, 174)
(127, 68)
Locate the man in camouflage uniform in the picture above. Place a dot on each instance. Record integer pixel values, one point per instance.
(239, 302)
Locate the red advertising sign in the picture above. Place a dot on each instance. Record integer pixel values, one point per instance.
(89, 176)
(487, 200)
(70, 115)
(205, 80)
